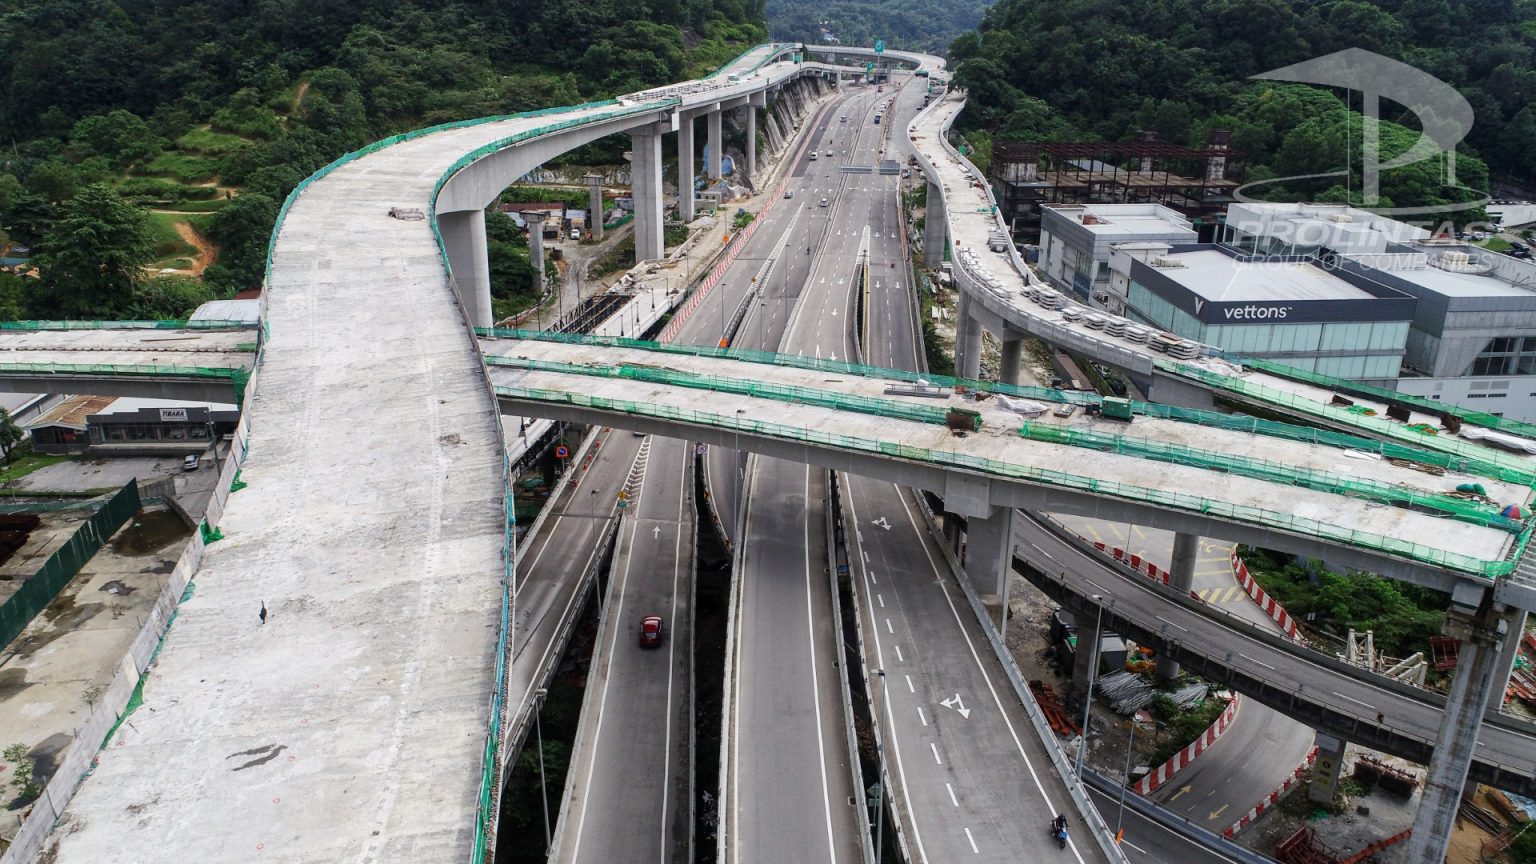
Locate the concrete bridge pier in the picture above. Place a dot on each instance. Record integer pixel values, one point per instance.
(989, 551)
(935, 226)
(1181, 577)
(1325, 773)
(595, 204)
(464, 241)
(685, 160)
(967, 340)
(645, 171)
(1013, 345)
(756, 101)
(715, 142)
(1515, 621)
(1478, 676)
(535, 222)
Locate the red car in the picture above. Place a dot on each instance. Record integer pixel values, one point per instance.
(650, 631)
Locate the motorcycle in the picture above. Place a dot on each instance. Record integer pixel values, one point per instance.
(1059, 831)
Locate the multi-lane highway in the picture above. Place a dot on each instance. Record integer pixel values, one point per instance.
(789, 790)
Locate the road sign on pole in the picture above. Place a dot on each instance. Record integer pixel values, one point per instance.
(561, 452)
(879, 46)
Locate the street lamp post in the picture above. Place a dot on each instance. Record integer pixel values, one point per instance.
(539, 694)
(1129, 744)
(1093, 669)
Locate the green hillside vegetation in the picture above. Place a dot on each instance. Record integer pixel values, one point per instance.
(176, 105)
(905, 25)
(1081, 70)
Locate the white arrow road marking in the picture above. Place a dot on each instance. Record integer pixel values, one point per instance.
(959, 706)
(656, 532)
(881, 522)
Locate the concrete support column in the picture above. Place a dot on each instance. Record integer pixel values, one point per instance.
(715, 144)
(1181, 576)
(685, 157)
(1515, 618)
(989, 550)
(464, 239)
(935, 228)
(595, 204)
(1476, 680)
(751, 167)
(967, 341)
(1325, 774)
(535, 222)
(1013, 347)
(1082, 658)
(645, 169)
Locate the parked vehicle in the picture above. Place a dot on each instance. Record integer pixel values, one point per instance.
(189, 463)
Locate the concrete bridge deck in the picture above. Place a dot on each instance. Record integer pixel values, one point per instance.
(1272, 485)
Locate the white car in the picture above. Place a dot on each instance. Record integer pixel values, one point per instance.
(189, 463)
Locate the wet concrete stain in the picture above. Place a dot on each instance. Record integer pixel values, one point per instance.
(271, 752)
(12, 681)
(117, 587)
(150, 532)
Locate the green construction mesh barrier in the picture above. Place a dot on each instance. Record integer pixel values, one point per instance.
(1370, 391)
(128, 325)
(741, 386)
(1464, 510)
(1344, 417)
(44, 585)
(1262, 517)
(1469, 459)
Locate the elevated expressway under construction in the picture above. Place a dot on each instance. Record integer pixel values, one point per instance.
(350, 724)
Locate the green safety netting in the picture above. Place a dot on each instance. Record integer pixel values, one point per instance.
(39, 590)
(186, 324)
(741, 386)
(1344, 417)
(1461, 509)
(1262, 517)
(1370, 391)
(1474, 460)
(237, 377)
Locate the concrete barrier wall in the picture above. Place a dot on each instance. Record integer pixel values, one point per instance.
(1180, 760)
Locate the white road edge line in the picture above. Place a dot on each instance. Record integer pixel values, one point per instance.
(810, 627)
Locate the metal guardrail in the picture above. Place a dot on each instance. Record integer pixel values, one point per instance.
(177, 324)
(1205, 506)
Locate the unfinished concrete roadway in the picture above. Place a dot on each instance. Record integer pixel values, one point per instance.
(352, 725)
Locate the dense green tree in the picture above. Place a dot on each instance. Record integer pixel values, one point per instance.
(122, 137)
(92, 258)
(242, 230)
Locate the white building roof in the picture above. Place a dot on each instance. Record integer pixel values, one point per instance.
(1216, 276)
(229, 310)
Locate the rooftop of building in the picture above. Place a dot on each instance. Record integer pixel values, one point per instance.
(244, 310)
(1485, 274)
(1218, 276)
(73, 411)
(1119, 220)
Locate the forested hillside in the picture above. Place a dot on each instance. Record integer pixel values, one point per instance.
(126, 124)
(1084, 69)
(912, 25)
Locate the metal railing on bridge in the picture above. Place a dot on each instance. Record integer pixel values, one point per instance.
(1461, 509)
(170, 324)
(1227, 511)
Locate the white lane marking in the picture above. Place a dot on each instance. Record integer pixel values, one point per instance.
(952, 799)
(935, 749)
(810, 627)
(890, 716)
(1170, 623)
(898, 654)
(1260, 662)
(1354, 700)
(677, 561)
(881, 598)
(1002, 711)
(968, 836)
(888, 627)
(910, 688)
(616, 623)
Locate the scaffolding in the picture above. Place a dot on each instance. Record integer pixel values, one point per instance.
(1196, 181)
